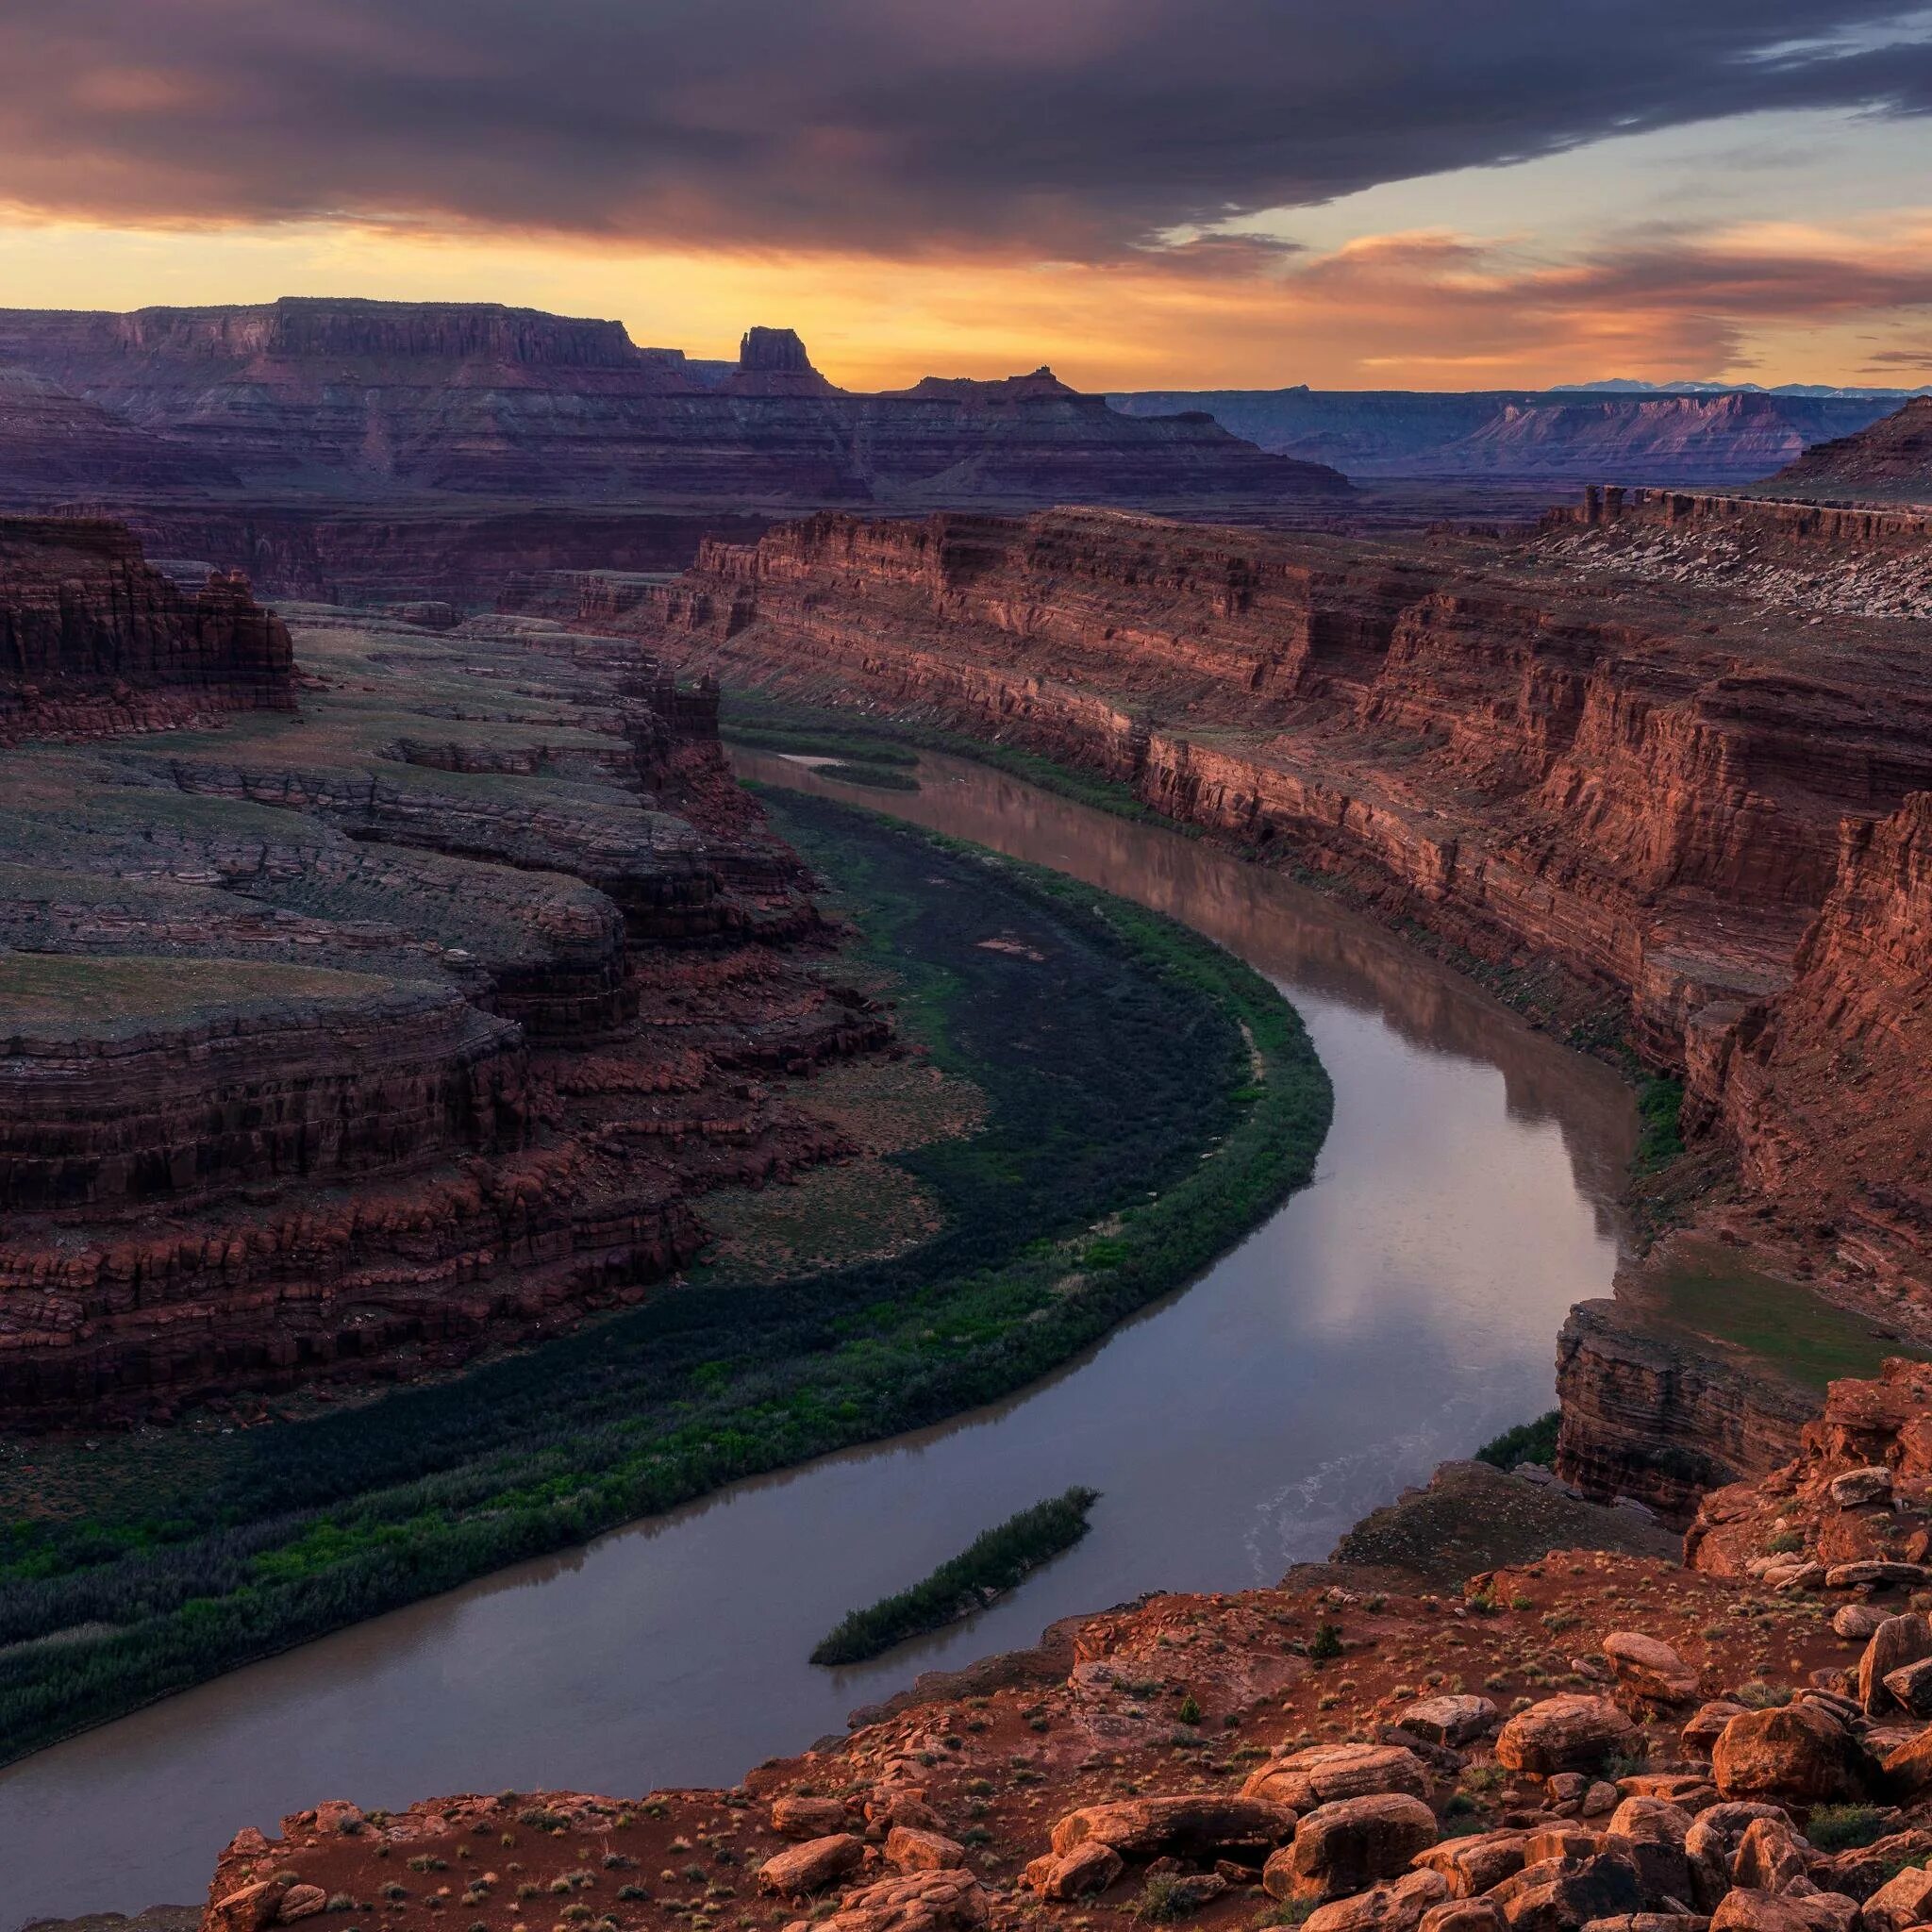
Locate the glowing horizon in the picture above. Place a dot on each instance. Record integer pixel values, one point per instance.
(1236, 193)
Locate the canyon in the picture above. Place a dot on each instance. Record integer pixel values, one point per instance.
(1637, 795)
(371, 996)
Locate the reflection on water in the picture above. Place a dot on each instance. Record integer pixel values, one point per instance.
(1401, 1309)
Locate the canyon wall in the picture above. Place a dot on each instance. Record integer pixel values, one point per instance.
(91, 635)
(1891, 457)
(346, 1038)
(1701, 809)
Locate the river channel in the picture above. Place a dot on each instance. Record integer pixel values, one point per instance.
(1400, 1310)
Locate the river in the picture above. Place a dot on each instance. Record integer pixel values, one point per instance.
(1401, 1309)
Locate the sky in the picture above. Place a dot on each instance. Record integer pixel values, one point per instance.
(1145, 194)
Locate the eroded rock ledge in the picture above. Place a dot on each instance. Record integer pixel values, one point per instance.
(343, 1041)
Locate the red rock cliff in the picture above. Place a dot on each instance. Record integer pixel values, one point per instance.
(90, 632)
(1660, 791)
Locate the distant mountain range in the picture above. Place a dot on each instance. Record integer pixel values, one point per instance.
(1630, 385)
(1630, 434)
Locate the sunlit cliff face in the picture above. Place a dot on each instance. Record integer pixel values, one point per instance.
(1143, 191)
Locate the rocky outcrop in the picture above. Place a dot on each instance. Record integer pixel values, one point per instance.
(375, 401)
(1845, 1511)
(93, 638)
(139, 1079)
(54, 446)
(1647, 1414)
(1892, 458)
(462, 555)
(1824, 1086)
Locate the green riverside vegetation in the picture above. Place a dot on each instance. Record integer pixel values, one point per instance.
(993, 1561)
(1149, 1098)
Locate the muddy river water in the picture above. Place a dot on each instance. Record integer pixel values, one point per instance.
(1400, 1310)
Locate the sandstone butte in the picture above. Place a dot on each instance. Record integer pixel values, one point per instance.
(1579, 1737)
(314, 441)
(410, 1019)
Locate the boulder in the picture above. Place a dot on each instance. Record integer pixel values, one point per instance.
(1712, 1846)
(910, 1809)
(1397, 1905)
(1707, 1725)
(1906, 1900)
(812, 1866)
(1650, 1921)
(1906, 1769)
(907, 1849)
(1897, 1642)
(1651, 1834)
(803, 1818)
(1345, 1846)
(1565, 1894)
(1473, 1865)
(1690, 1790)
(1087, 1869)
(1561, 1841)
(1911, 1687)
(1857, 1622)
(1452, 1722)
(1858, 1487)
(1324, 1773)
(1744, 1910)
(912, 1901)
(1798, 1753)
(1569, 1732)
(1196, 1826)
(1650, 1668)
(301, 1902)
(1873, 1572)
(253, 1908)
(1464, 1915)
(1768, 1858)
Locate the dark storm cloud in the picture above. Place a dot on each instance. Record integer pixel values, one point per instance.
(1068, 126)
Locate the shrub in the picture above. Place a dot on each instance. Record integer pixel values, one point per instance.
(1843, 1827)
(1326, 1642)
(1526, 1442)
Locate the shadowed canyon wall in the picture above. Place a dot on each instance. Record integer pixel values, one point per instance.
(1660, 793)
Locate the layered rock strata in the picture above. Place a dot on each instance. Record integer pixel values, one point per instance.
(1650, 1413)
(1682, 440)
(382, 401)
(1664, 795)
(345, 1040)
(93, 638)
(1892, 458)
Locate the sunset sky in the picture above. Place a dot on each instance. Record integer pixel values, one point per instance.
(1146, 193)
